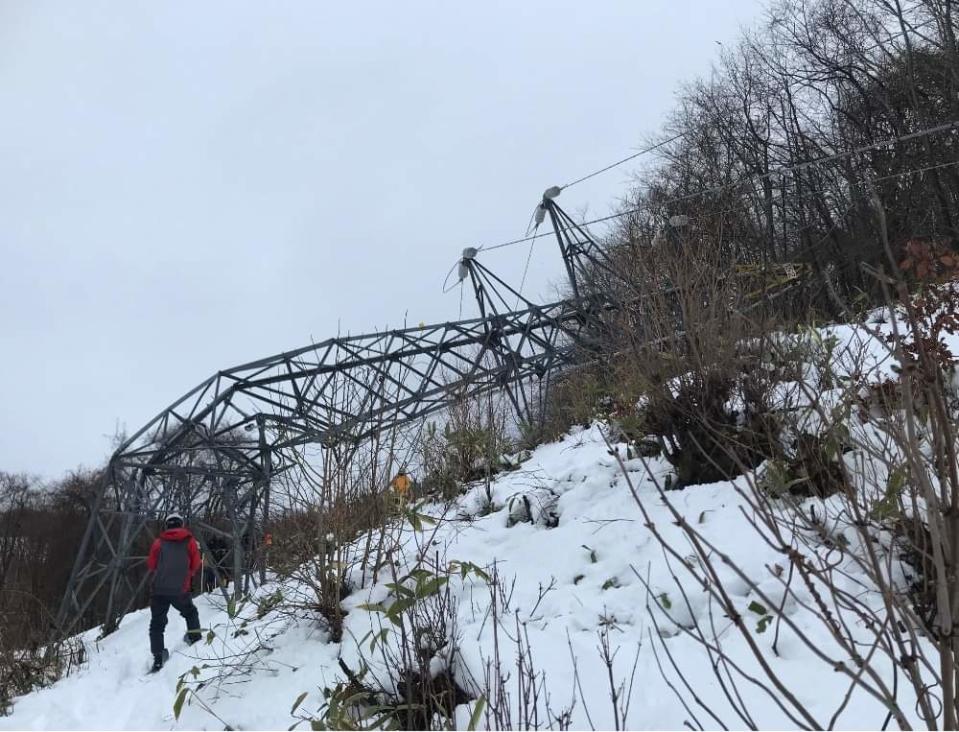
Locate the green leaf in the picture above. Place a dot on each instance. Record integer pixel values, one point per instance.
(378, 637)
(195, 671)
(415, 522)
(210, 635)
(466, 568)
(478, 572)
(430, 587)
(399, 589)
(664, 601)
(178, 704)
(897, 479)
(400, 606)
(758, 608)
(299, 700)
(478, 710)
(888, 506)
(372, 607)
(763, 623)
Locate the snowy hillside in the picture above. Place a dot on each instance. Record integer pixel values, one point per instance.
(561, 549)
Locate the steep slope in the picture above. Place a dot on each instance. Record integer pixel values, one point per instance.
(569, 564)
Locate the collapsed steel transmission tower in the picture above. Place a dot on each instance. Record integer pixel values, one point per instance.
(215, 451)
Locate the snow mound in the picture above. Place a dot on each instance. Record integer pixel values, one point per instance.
(565, 535)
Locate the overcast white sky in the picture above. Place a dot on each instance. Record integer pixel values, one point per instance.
(189, 185)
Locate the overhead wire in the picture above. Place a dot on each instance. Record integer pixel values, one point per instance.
(532, 237)
(644, 151)
(769, 174)
(447, 278)
(529, 257)
(742, 205)
(947, 126)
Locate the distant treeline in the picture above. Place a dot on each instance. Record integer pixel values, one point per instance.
(823, 81)
(41, 526)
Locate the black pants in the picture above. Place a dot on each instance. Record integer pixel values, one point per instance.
(209, 579)
(159, 606)
(213, 578)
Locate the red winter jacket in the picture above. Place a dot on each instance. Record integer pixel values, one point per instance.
(174, 558)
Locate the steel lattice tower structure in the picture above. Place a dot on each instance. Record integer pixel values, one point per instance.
(217, 448)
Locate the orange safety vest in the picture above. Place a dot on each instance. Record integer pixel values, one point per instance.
(401, 484)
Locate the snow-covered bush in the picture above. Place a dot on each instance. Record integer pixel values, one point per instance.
(862, 508)
(466, 448)
(403, 674)
(711, 425)
(25, 669)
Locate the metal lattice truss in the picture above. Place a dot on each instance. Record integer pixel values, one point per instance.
(216, 449)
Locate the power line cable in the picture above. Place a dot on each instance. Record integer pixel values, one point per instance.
(756, 177)
(663, 143)
(677, 136)
(529, 258)
(447, 278)
(891, 176)
(531, 238)
(644, 151)
(657, 146)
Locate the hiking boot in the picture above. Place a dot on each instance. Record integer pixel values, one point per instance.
(159, 659)
(191, 638)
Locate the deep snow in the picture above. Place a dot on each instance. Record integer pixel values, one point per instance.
(571, 581)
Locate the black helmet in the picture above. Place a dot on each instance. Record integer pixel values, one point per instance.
(174, 521)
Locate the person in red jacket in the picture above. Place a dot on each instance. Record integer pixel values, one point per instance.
(174, 558)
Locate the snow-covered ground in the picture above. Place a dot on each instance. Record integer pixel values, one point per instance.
(598, 570)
